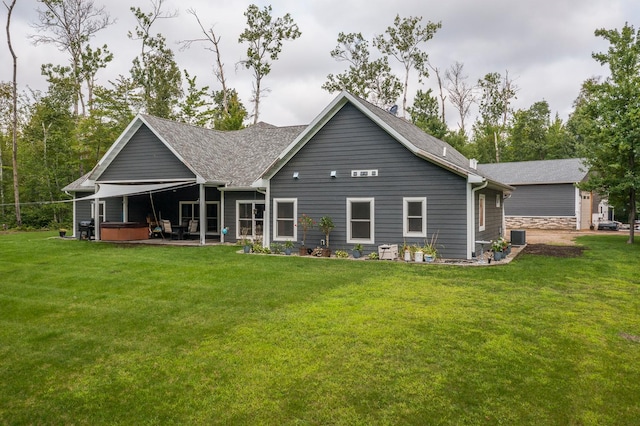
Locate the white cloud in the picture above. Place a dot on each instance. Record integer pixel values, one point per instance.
(545, 45)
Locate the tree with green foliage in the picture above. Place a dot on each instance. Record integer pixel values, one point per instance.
(155, 70)
(69, 25)
(424, 114)
(229, 112)
(489, 130)
(370, 80)
(264, 36)
(610, 121)
(404, 42)
(528, 133)
(196, 108)
(49, 155)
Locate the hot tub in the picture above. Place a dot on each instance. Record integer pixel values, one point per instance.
(123, 231)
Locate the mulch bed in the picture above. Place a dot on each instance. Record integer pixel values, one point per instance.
(553, 250)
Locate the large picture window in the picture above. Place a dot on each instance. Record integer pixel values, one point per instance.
(415, 217)
(481, 212)
(284, 219)
(360, 220)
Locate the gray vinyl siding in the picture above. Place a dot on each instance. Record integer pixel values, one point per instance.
(542, 200)
(145, 158)
(493, 217)
(229, 214)
(83, 211)
(350, 141)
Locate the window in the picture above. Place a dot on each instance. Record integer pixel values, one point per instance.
(102, 205)
(360, 220)
(415, 217)
(250, 218)
(284, 219)
(481, 212)
(191, 210)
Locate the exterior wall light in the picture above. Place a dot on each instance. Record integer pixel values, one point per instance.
(296, 175)
(334, 173)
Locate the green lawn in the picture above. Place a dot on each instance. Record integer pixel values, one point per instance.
(103, 334)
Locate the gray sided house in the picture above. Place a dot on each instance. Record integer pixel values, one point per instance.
(160, 169)
(380, 178)
(546, 195)
(383, 181)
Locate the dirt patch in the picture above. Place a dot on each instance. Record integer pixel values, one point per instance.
(553, 250)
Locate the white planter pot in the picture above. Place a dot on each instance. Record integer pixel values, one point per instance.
(419, 256)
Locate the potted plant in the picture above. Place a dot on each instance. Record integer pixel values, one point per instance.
(429, 249)
(357, 251)
(406, 249)
(245, 242)
(326, 226)
(497, 246)
(62, 232)
(288, 246)
(306, 223)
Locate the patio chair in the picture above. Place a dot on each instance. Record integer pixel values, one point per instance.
(192, 229)
(167, 230)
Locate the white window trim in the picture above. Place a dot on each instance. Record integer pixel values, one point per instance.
(103, 208)
(196, 209)
(482, 212)
(277, 237)
(405, 216)
(372, 238)
(253, 217)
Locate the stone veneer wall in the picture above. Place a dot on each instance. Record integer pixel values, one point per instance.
(540, 222)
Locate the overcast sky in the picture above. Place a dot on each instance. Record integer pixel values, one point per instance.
(545, 45)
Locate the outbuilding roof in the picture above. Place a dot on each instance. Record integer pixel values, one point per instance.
(571, 170)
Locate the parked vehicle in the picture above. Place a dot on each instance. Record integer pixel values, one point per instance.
(609, 225)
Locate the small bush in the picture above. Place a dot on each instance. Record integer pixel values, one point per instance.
(342, 254)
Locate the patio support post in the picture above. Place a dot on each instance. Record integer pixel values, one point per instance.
(96, 219)
(203, 214)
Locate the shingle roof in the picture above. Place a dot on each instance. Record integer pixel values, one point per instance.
(423, 141)
(234, 157)
(570, 170)
(405, 132)
(77, 185)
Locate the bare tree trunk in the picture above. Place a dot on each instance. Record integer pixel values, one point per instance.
(460, 94)
(256, 101)
(219, 71)
(632, 215)
(14, 120)
(443, 97)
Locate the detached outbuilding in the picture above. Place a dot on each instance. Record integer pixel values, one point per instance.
(547, 195)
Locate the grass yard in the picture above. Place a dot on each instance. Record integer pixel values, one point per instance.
(103, 334)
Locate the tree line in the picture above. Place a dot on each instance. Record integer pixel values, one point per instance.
(50, 139)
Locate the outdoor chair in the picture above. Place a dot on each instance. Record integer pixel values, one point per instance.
(192, 229)
(167, 230)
